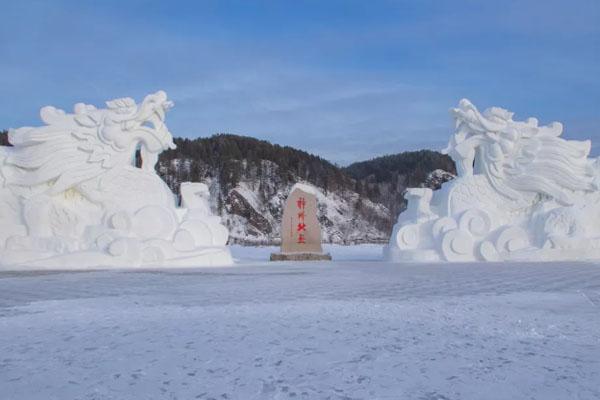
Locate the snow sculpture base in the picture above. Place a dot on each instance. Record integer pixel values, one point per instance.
(71, 196)
(522, 193)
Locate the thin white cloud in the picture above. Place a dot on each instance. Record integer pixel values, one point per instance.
(346, 91)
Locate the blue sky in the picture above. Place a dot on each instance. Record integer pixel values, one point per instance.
(348, 80)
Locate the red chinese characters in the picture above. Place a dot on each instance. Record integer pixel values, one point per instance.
(301, 227)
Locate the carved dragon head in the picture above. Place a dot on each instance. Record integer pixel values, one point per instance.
(474, 129)
(495, 130)
(125, 122)
(518, 156)
(71, 148)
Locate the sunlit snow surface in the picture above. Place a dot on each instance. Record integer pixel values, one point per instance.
(341, 330)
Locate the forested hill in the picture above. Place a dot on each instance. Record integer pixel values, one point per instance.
(250, 180)
(225, 153)
(415, 165)
(384, 179)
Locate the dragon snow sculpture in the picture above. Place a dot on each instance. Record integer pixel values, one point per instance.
(72, 196)
(522, 193)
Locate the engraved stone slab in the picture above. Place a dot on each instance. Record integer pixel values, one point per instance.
(301, 230)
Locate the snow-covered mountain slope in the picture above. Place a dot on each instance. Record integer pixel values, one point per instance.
(255, 216)
(250, 180)
(253, 208)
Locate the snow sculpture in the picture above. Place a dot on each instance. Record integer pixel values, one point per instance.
(522, 193)
(72, 197)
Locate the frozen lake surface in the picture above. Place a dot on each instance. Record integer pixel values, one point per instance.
(342, 330)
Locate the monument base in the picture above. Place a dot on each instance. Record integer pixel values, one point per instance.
(300, 257)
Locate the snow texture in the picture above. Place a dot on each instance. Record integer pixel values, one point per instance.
(337, 330)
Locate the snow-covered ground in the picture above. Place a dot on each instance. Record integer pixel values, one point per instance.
(341, 330)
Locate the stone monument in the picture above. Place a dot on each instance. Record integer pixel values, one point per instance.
(522, 193)
(71, 195)
(300, 228)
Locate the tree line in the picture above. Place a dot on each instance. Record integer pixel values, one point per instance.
(234, 157)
